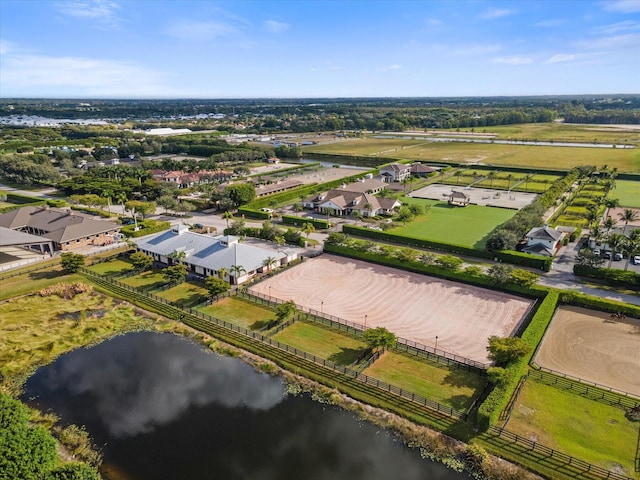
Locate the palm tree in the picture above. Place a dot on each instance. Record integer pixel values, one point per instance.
(367, 208)
(269, 262)
(627, 215)
(510, 178)
(237, 271)
(308, 229)
(633, 246)
(121, 198)
(222, 272)
(227, 216)
(608, 224)
(490, 177)
(108, 194)
(610, 203)
(615, 241)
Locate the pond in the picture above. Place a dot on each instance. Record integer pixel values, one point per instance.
(161, 407)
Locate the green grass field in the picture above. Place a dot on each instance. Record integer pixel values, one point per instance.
(114, 266)
(453, 387)
(575, 425)
(527, 156)
(149, 280)
(322, 342)
(30, 282)
(240, 312)
(186, 294)
(627, 192)
(468, 226)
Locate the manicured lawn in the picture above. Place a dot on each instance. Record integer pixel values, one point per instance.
(186, 294)
(148, 280)
(30, 282)
(452, 387)
(240, 312)
(528, 156)
(468, 226)
(628, 192)
(114, 266)
(583, 428)
(322, 342)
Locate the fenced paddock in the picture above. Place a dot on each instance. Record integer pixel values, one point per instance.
(479, 196)
(590, 345)
(413, 306)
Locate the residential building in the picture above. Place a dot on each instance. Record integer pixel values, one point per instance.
(543, 240)
(420, 170)
(396, 172)
(205, 255)
(65, 228)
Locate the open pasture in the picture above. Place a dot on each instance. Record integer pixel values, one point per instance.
(413, 306)
(590, 345)
(527, 156)
(468, 226)
(185, 294)
(592, 431)
(627, 192)
(240, 312)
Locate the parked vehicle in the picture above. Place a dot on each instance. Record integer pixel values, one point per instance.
(636, 260)
(596, 251)
(607, 255)
(617, 256)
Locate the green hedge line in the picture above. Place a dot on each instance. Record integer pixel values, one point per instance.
(598, 303)
(508, 256)
(93, 211)
(256, 214)
(299, 221)
(435, 271)
(22, 199)
(147, 228)
(497, 400)
(611, 276)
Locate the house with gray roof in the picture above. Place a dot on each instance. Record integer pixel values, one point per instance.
(543, 240)
(64, 227)
(205, 255)
(396, 172)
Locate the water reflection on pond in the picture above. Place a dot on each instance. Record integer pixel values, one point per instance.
(165, 409)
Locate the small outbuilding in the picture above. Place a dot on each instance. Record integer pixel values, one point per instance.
(459, 199)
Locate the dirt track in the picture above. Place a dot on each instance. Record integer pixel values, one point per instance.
(587, 344)
(413, 306)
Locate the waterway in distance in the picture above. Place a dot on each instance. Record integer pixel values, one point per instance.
(161, 407)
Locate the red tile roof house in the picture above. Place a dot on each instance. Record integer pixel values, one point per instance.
(67, 229)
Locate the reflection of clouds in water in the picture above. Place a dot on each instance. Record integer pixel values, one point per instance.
(143, 380)
(326, 446)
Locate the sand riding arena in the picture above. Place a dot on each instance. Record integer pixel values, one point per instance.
(593, 346)
(413, 306)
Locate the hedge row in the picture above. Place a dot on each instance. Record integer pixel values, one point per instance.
(611, 276)
(598, 303)
(256, 214)
(22, 199)
(508, 256)
(93, 211)
(435, 271)
(497, 400)
(147, 227)
(299, 221)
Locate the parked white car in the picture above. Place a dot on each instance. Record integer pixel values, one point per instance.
(636, 260)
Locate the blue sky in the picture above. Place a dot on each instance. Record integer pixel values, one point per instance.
(330, 48)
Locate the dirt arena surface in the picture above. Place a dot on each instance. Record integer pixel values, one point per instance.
(413, 306)
(589, 345)
(479, 196)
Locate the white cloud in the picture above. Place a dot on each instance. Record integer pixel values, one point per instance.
(96, 9)
(201, 31)
(275, 27)
(497, 13)
(561, 57)
(624, 6)
(626, 26)
(630, 40)
(549, 23)
(434, 22)
(87, 76)
(513, 60)
(393, 66)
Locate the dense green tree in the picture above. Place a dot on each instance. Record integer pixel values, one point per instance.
(500, 273)
(504, 350)
(215, 286)
(449, 262)
(175, 274)
(285, 311)
(141, 261)
(240, 193)
(71, 262)
(379, 337)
